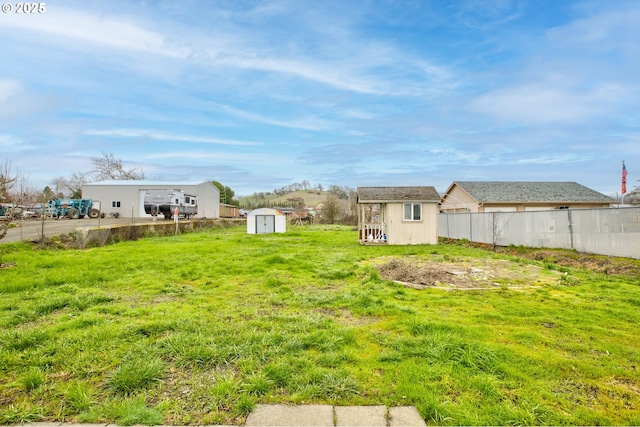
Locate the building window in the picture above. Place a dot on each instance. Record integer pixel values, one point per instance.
(413, 211)
(115, 204)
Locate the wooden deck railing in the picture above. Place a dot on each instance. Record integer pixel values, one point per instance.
(373, 233)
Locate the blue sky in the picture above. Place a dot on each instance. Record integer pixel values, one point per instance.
(261, 94)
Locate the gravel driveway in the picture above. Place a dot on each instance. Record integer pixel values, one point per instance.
(31, 229)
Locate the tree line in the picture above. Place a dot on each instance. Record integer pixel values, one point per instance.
(337, 207)
(341, 192)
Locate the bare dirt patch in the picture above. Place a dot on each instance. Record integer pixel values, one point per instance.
(464, 273)
(603, 264)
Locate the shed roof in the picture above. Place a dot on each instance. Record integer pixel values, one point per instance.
(264, 211)
(397, 194)
(530, 192)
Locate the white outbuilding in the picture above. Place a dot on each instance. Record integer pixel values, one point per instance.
(266, 220)
(126, 197)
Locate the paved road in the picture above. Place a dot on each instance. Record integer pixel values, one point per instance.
(31, 229)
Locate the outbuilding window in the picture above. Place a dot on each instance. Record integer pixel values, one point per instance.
(413, 211)
(115, 204)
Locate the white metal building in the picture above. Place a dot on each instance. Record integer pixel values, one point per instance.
(127, 197)
(266, 220)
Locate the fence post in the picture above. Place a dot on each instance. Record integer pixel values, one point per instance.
(42, 226)
(448, 232)
(470, 227)
(570, 227)
(495, 233)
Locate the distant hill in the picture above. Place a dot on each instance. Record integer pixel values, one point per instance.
(311, 198)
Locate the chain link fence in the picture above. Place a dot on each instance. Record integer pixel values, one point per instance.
(607, 231)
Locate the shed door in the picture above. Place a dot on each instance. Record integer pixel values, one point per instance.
(265, 224)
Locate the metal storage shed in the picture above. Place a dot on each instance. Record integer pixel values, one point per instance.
(266, 220)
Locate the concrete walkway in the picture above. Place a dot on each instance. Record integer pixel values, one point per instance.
(310, 415)
(330, 416)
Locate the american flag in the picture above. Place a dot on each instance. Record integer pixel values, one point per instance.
(624, 178)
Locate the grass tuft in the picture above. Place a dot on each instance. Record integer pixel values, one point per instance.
(20, 413)
(80, 396)
(23, 339)
(32, 380)
(135, 375)
(257, 384)
(133, 411)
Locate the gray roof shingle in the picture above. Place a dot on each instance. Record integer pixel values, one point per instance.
(531, 192)
(397, 194)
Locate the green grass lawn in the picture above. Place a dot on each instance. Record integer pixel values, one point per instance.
(198, 328)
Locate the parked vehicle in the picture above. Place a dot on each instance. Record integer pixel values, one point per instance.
(165, 202)
(9, 211)
(33, 211)
(72, 208)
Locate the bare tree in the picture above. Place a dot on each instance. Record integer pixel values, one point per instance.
(13, 186)
(104, 168)
(330, 209)
(70, 187)
(633, 197)
(109, 167)
(7, 182)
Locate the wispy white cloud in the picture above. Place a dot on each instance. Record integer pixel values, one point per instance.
(573, 72)
(545, 102)
(600, 29)
(150, 134)
(200, 157)
(326, 73)
(329, 49)
(8, 89)
(559, 159)
(347, 64)
(115, 31)
(10, 143)
(307, 123)
(19, 104)
(480, 14)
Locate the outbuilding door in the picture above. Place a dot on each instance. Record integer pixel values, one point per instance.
(265, 224)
